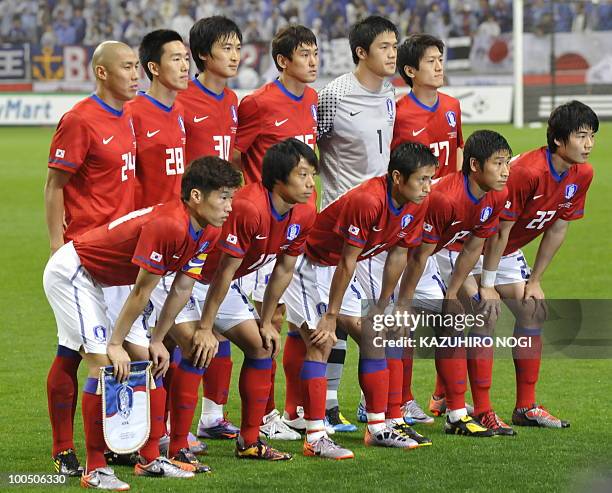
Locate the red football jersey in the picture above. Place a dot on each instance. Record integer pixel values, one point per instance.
(438, 126)
(365, 217)
(454, 213)
(256, 233)
(210, 121)
(270, 115)
(160, 154)
(159, 239)
(538, 196)
(96, 144)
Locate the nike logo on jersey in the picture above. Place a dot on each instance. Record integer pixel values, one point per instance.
(417, 132)
(455, 222)
(278, 124)
(353, 113)
(106, 141)
(377, 229)
(198, 120)
(259, 237)
(537, 196)
(176, 257)
(151, 134)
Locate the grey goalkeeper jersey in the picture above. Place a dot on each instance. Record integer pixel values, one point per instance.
(355, 128)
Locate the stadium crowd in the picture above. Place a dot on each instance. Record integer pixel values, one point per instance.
(74, 22)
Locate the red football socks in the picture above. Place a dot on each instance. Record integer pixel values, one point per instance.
(62, 395)
(314, 389)
(92, 422)
(451, 365)
(157, 402)
(271, 404)
(527, 367)
(216, 382)
(480, 371)
(374, 381)
(254, 388)
(293, 359)
(394, 402)
(407, 363)
(183, 401)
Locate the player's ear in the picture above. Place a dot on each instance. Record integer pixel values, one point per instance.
(153, 68)
(282, 61)
(396, 177)
(474, 166)
(362, 54)
(100, 72)
(409, 71)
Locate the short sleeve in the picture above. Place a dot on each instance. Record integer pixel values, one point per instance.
(249, 123)
(306, 223)
(521, 187)
(356, 218)
(157, 243)
(438, 216)
(70, 144)
(576, 210)
(326, 110)
(239, 230)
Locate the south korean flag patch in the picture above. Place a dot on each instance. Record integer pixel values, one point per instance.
(406, 220)
(293, 231)
(126, 415)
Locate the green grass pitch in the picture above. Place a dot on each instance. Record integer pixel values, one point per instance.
(577, 390)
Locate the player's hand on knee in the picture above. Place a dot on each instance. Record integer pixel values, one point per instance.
(490, 304)
(120, 360)
(205, 346)
(270, 338)
(160, 357)
(326, 329)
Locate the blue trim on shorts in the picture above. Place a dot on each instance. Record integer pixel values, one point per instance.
(78, 304)
(372, 290)
(303, 286)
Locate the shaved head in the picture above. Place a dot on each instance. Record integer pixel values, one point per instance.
(109, 52)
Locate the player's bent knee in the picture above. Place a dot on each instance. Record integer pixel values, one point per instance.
(183, 335)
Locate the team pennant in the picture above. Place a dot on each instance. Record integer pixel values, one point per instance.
(125, 408)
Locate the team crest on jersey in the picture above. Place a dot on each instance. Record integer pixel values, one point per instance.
(570, 190)
(390, 108)
(486, 213)
(99, 332)
(406, 220)
(125, 400)
(234, 113)
(293, 231)
(451, 118)
(181, 123)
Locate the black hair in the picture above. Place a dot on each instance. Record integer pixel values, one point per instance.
(568, 118)
(481, 145)
(281, 158)
(289, 39)
(411, 52)
(209, 173)
(363, 33)
(151, 47)
(206, 32)
(410, 156)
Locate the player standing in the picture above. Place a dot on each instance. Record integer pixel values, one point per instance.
(284, 108)
(211, 120)
(89, 183)
(464, 210)
(270, 220)
(135, 249)
(547, 189)
(356, 116)
(429, 116)
(384, 213)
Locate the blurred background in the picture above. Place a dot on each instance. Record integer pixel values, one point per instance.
(45, 47)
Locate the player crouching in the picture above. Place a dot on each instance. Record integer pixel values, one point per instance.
(136, 249)
(384, 213)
